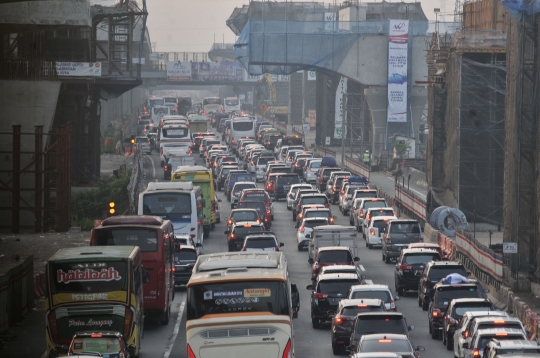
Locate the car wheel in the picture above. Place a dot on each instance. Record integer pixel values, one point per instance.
(444, 338)
(386, 259)
(449, 344)
(370, 247)
(383, 256)
(400, 291)
(316, 323)
(336, 350)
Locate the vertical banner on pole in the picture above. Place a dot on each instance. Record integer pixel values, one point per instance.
(398, 41)
(340, 108)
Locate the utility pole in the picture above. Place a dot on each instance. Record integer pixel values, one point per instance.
(343, 129)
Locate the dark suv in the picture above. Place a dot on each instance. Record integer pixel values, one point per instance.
(433, 273)
(455, 311)
(185, 257)
(409, 267)
(283, 184)
(238, 232)
(309, 199)
(346, 312)
(443, 294)
(378, 322)
(326, 293)
(322, 177)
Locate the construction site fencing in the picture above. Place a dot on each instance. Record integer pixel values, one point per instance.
(16, 293)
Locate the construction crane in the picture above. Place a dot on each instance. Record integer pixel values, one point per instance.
(270, 106)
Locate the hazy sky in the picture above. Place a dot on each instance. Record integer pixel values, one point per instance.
(190, 25)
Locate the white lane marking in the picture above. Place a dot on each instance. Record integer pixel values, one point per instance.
(362, 268)
(153, 167)
(176, 330)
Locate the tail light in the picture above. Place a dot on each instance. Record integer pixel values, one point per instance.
(166, 168)
(52, 325)
(368, 216)
(452, 320)
(318, 295)
(192, 236)
(421, 239)
(128, 320)
(346, 196)
(232, 141)
(316, 266)
(466, 333)
(436, 313)
(361, 213)
(190, 353)
(161, 150)
(331, 220)
(405, 267)
(302, 229)
(287, 352)
(475, 353)
(339, 321)
(244, 249)
(230, 222)
(160, 280)
(343, 192)
(372, 232)
(300, 216)
(334, 188)
(388, 239)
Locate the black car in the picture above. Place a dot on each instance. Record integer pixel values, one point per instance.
(455, 311)
(326, 293)
(222, 174)
(333, 194)
(378, 322)
(322, 177)
(444, 293)
(433, 273)
(409, 267)
(346, 312)
(185, 257)
(238, 232)
(307, 199)
(283, 184)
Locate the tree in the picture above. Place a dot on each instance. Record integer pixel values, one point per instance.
(401, 148)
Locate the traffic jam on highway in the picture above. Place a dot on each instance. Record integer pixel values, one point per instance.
(245, 220)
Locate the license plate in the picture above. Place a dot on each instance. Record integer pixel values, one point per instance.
(180, 268)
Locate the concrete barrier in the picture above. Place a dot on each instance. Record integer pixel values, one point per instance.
(16, 292)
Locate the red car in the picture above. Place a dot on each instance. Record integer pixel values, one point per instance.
(331, 255)
(258, 195)
(271, 182)
(261, 210)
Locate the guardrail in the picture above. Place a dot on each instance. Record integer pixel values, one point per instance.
(356, 167)
(323, 152)
(16, 293)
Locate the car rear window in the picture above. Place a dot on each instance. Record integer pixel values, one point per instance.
(261, 243)
(239, 187)
(242, 177)
(381, 324)
(375, 213)
(447, 294)
(518, 351)
(380, 224)
(412, 259)
(409, 228)
(184, 255)
(363, 194)
(460, 310)
(484, 340)
(245, 216)
(374, 204)
(255, 196)
(317, 213)
(259, 205)
(506, 324)
(288, 180)
(240, 230)
(389, 345)
(353, 311)
(438, 272)
(314, 200)
(382, 295)
(336, 286)
(335, 256)
(264, 160)
(313, 223)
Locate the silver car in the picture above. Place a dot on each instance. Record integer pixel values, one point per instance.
(292, 191)
(144, 143)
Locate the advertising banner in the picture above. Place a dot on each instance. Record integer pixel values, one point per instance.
(340, 108)
(217, 71)
(78, 69)
(312, 117)
(398, 41)
(178, 71)
(275, 78)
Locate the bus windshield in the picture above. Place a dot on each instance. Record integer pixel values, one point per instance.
(157, 102)
(88, 277)
(245, 296)
(231, 102)
(175, 132)
(167, 204)
(211, 101)
(243, 126)
(145, 238)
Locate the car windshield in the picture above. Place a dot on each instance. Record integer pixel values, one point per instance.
(243, 231)
(447, 294)
(381, 324)
(314, 200)
(438, 272)
(243, 177)
(245, 216)
(484, 340)
(184, 255)
(412, 259)
(336, 286)
(385, 345)
(146, 239)
(335, 256)
(260, 242)
(255, 196)
(460, 310)
(314, 223)
(365, 194)
(382, 295)
(288, 180)
(381, 225)
(353, 311)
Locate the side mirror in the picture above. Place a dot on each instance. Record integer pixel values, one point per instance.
(308, 236)
(356, 259)
(310, 260)
(145, 276)
(281, 244)
(226, 232)
(420, 348)
(198, 244)
(465, 345)
(132, 349)
(309, 287)
(410, 328)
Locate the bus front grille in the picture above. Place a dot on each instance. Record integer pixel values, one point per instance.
(238, 332)
(117, 310)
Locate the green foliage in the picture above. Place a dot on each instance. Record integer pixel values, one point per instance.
(86, 206)
(401, 148)
(84, 223)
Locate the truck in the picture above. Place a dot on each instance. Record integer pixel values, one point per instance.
(183, 105)
(198, 123)
(332, 235)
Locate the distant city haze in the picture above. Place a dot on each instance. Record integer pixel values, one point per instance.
(190, 25)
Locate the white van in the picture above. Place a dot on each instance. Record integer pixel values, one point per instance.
(332, 235)
(180, 202)
(241, 127)
(173, 135)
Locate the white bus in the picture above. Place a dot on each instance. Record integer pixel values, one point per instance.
(241, 127)
(179, 202)
(173, 135)
(241, 304)
(211, 105)
(231, 104)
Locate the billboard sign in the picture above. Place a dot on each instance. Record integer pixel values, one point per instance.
(398, 42)
(179, 71)
(340, 108)
(78, 69)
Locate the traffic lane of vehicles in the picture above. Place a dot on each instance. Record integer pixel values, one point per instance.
(317, 343)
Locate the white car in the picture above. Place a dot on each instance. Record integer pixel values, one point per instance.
(374, 212)
(461, 337)
(376, 229)
(303, 235)
(238, 187)
(310, 172)
(381, 292)
(294, 188)
(261, 242)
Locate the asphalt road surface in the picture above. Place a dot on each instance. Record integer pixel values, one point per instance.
(170, 341)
